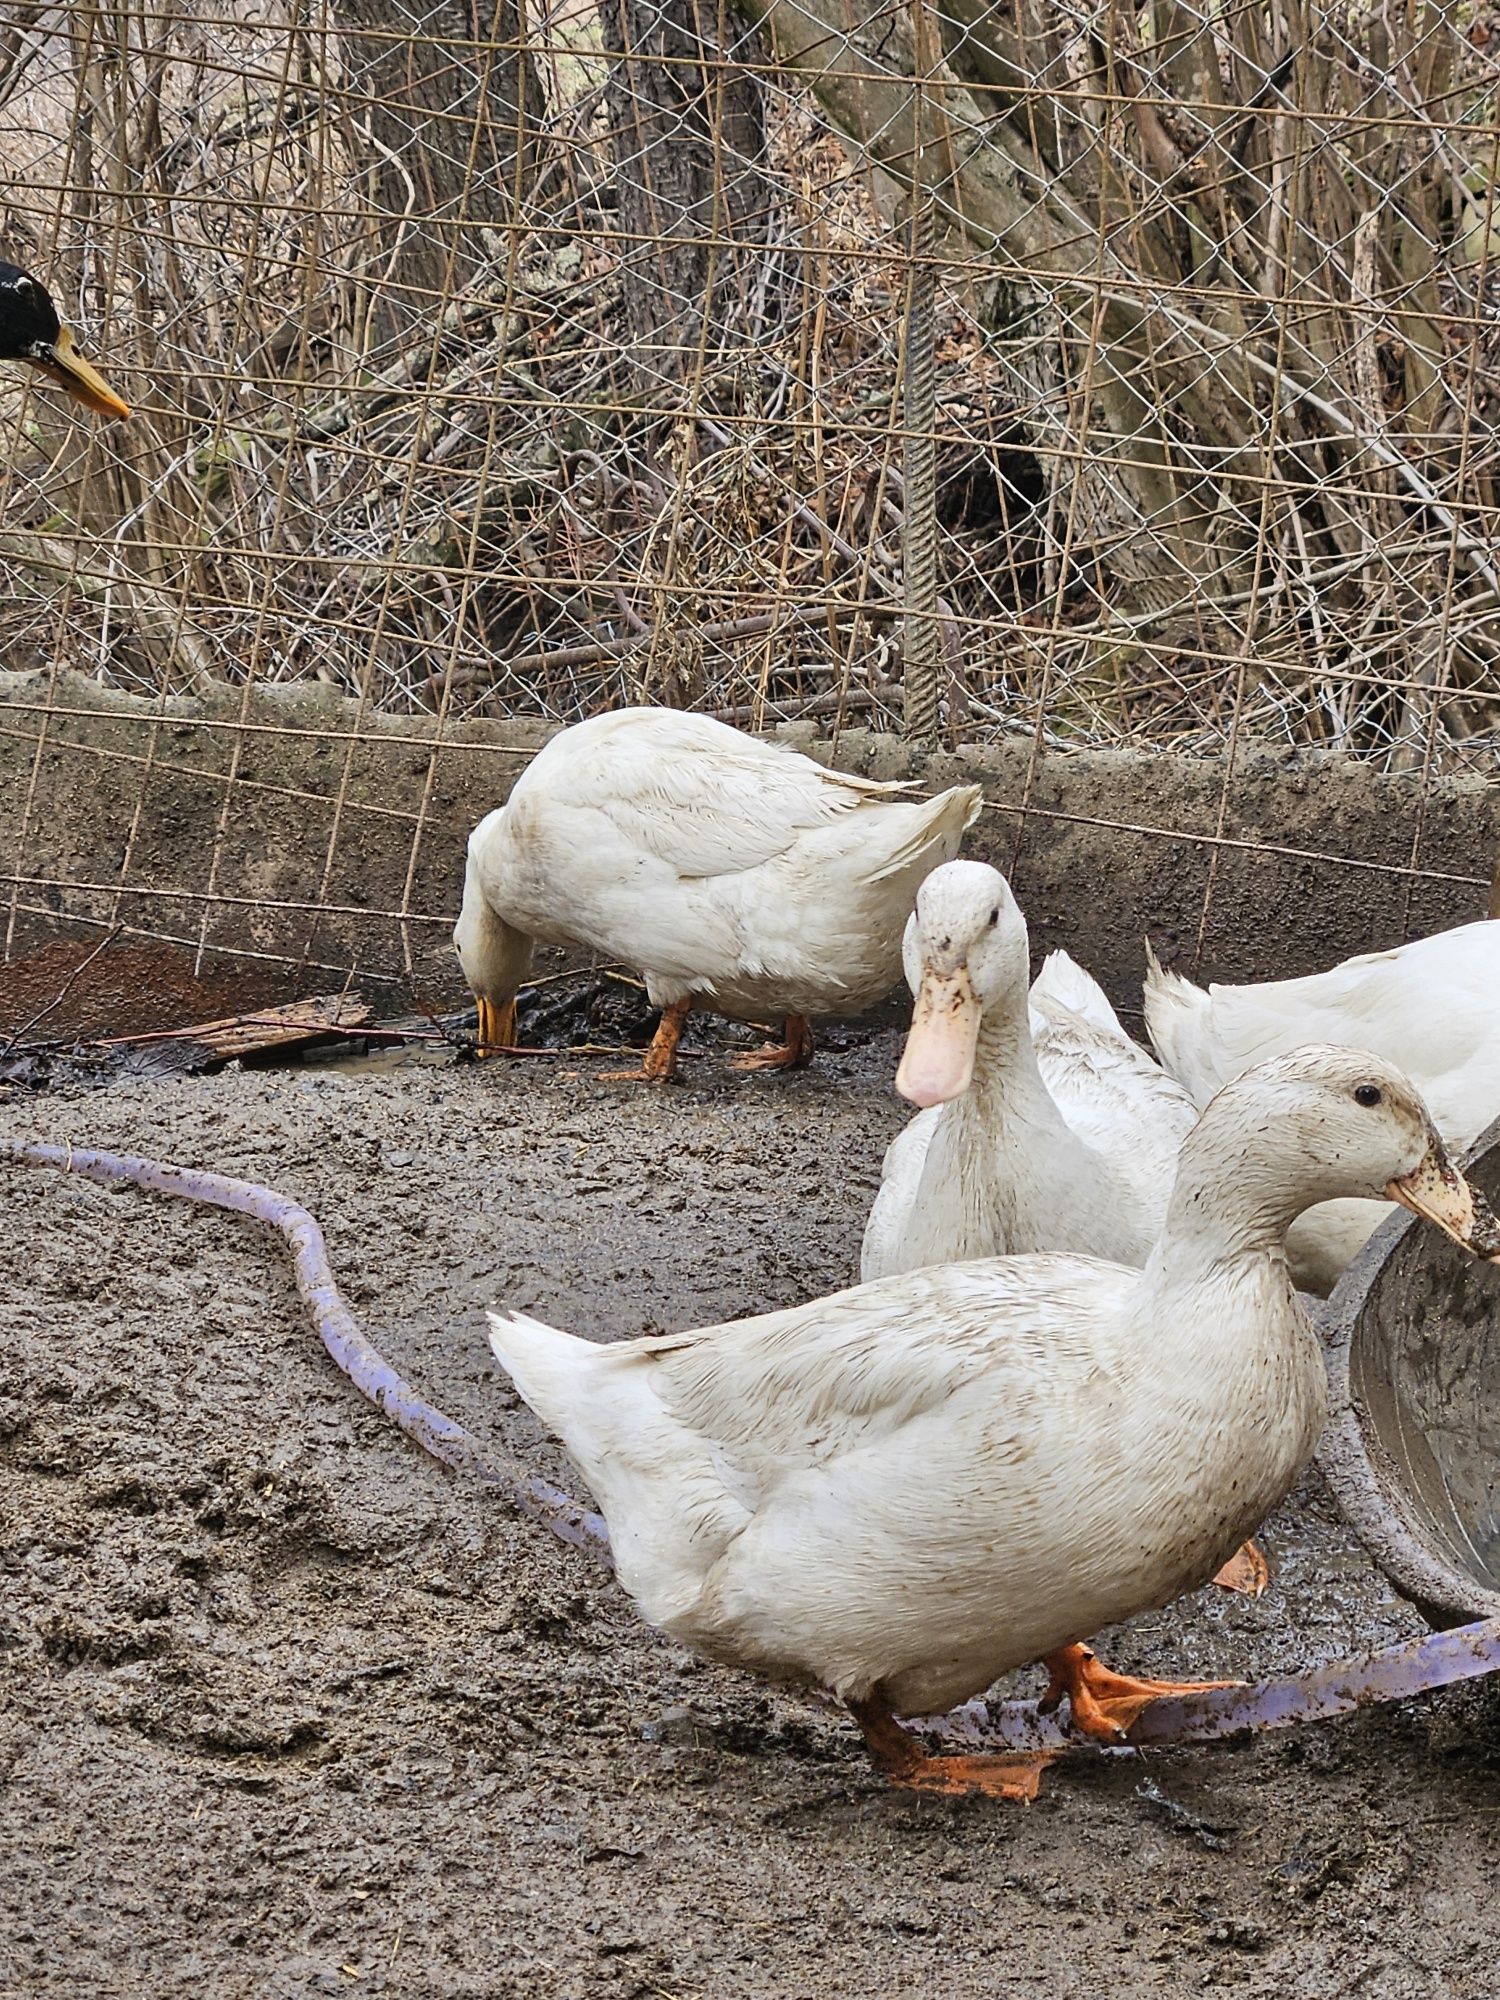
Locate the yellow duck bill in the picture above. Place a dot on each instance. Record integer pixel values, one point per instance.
(60, 360)
(937, 1063)
(1438, 1192)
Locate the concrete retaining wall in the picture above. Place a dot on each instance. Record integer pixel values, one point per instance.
(239, 796)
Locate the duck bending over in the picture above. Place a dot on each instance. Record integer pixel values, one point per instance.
(733, 873)
(907, 1489)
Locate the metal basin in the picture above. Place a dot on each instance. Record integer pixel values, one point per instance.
(1412, 1449)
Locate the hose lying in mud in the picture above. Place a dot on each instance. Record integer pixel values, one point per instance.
(369, 1371)
(1395, 1673)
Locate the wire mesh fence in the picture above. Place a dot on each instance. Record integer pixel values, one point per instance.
(526, 357)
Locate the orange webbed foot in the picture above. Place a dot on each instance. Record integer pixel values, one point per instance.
(1246, 1571)
(1102, 1703)
(659, 1064)
(793, 1053)
(906, 1765)
(1017, 1776)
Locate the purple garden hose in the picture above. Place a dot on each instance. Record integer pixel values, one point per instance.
(369, 1371)
(1396, 1673)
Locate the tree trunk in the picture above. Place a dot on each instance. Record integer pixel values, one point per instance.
(689, 141)
(454, 110)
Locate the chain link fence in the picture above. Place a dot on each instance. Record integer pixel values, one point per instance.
(1118, 375)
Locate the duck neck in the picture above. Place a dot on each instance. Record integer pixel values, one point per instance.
(507, 956)
(1225, 1209)
(1009, 1094)
(495, 955)
(1217, 1302)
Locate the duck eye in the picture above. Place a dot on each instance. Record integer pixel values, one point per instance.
(1366, 1094)
(994, 917)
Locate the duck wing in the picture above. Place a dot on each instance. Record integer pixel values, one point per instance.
(776, 1426)
(787, 1394)
(707, 799)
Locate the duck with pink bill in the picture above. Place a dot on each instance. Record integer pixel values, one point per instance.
(1041, 1125)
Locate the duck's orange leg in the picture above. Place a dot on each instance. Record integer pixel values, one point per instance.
(659, 1063)
(796, 1052)
(497, 1027)
(1102, 1703)
(903, 1762)
(1246, 1571)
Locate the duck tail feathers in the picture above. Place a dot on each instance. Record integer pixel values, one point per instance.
(1063, 986)
(1177, 1022)
(595, 1396)
(550, 1368)
(934, 832)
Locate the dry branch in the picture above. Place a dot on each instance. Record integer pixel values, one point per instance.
(1216, 416)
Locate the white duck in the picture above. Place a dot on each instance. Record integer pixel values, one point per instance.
(905, 1490)
(1048, 1128)
(1428, 1006)
(730, 871)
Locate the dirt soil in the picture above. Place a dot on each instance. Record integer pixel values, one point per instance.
(285, 1709)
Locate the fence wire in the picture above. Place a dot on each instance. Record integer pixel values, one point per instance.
(528, 357)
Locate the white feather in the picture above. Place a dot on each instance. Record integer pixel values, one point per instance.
(1428, 1007)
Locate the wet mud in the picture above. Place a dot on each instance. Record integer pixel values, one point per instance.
(287, 1710)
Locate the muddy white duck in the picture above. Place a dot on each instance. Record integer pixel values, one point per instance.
(733, 873)
(1044, 1126)
(905, 1490)
(32, 332)
(1428, 1006)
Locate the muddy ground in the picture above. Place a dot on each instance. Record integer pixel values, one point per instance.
(286, 1710)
